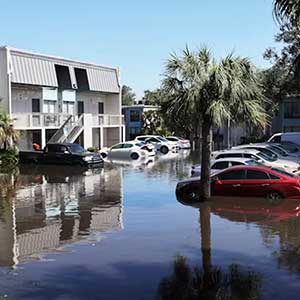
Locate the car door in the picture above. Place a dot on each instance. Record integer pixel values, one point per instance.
(228, 183)
(49, 154)
(256, 184)
(125, 150)
(62, 155)
(116, 151)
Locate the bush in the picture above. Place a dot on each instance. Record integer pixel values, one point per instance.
(9, 158)
(93, 149)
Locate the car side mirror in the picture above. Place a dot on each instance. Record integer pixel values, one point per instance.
(216, 180)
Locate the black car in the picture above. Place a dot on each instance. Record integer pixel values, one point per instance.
(62, 154)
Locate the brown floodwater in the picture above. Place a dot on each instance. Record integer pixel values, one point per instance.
(119, 232)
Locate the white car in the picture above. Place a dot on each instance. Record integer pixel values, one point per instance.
(224, 163)
(285, 136)
(271, 150)
(287, 165)
(161, 144)
(182, 143)
(127, 150)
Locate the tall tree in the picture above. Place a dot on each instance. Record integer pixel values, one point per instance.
(128, 96)
(213, 92)
(287, 10)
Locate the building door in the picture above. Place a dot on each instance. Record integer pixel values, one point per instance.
(36, 107)
(80, 107)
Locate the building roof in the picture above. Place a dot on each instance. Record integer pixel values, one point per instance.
(38, 69)
(142, 106)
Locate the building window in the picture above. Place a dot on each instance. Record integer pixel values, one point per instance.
(135, 116)
(292, 109)
(63, 76)
(49, 107)
(134, 131)
(291, 129)
(68, 108)
(82, 79)
(100, 108)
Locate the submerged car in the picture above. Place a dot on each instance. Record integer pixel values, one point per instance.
(224, 163)
(127, 150)
(181, 142)
(160, 143)
(246, 181)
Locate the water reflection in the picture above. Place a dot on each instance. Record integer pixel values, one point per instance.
(45, 208)
(193, 283)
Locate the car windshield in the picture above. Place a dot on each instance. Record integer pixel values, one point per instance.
(268, 152)
(253, 162)
(278, 150)
(162, 139)
(266, 157)
(290, 148)
(76, 148)
(283, 172)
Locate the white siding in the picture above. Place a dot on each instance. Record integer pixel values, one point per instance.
(4, 82)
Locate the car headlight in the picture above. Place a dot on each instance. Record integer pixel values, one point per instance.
(87, 158)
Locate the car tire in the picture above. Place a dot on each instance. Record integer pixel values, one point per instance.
(274, 197)
(134, 155)
(164, 149)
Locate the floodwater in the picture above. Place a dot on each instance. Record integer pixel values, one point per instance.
(120, 233)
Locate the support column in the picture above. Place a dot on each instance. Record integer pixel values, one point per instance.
(124, 133)
(101, 137)
(43, 135)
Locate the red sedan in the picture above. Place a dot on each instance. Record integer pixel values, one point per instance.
(246, 181)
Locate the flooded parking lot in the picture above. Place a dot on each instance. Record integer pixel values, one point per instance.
(120, 233)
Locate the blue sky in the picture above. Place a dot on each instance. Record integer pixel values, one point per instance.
(136, 35)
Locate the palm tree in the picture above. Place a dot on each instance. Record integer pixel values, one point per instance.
(8, 135)
(287, 11)
(213, 92)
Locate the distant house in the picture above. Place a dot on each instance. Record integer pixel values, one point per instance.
(59, 98)
(134, 118)
(288, 117)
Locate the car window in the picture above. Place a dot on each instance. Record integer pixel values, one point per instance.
(276, 139)
(119, 146)
(152, 140)
(142, 138)
(225, 155)
(248, 155)
(253, 162)
(253, 174)
(236, 163)
(171, 139)
(76, 148)
(283, 172)
(220, 165)
(62, 149)
(278, 150)
(127, 146)
(233, 175)
(272, 176)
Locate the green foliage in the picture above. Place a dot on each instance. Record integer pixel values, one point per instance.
(153, 124)
(287, 11)
(201, 88)
(93, 149)
(128, 96)
(8, 135)
(188, 283)
(153, 97)
(8, 158)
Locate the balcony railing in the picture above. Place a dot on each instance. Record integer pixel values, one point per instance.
(35, 120)
(44, 120)
(108, 120)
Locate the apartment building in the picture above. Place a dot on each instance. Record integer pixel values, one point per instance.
(60, 100)
(133, 115)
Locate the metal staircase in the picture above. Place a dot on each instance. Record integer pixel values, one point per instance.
(69, 131)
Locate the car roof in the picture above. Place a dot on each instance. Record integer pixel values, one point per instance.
(251, 151)
(238, 159)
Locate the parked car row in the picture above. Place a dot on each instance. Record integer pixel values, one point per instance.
(144, 146)
(269, 169)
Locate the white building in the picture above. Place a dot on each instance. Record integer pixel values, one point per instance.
(62, 99)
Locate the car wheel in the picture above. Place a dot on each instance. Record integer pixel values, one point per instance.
(274, 197)
(134, 155)
(164, 149)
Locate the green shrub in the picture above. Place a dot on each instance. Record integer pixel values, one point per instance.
(93, 149)
(9, 158)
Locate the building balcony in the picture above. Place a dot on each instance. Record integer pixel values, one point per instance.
(26, 121)
(108, 120)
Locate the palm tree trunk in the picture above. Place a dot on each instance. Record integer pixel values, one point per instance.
(205, 160)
